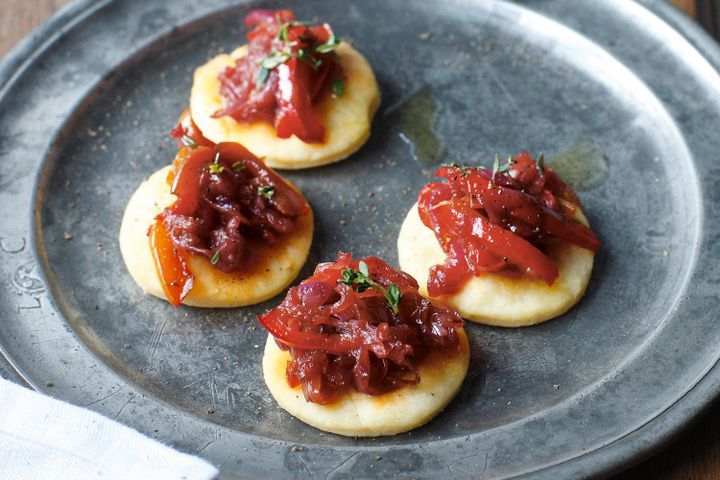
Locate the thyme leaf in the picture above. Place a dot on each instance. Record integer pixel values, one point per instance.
(262, 77)
(338, 88)
(274, 59)
(303, 55)
(329, 46)
(267, 191)
(393, 296)
(496, 167)
(215, 258)
(215, 167)
(188, 141)
(283, 33)
(541, 163)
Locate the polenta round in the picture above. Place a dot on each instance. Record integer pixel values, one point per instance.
(359, 415)
(493, 299)
(347, 119)
(212, 287)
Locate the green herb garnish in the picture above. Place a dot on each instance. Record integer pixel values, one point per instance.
(275, 59)
(267, 191)
(215, 167)
(188, 142)
(361, 279)
(338, 88)
(541, 163)
(464, 171)
(238, 167)
(283, 33)
(393, 296)
(303, 55)
(262, 77)
(497, 168)
(215, 258)
(508, 163)
(328, 46)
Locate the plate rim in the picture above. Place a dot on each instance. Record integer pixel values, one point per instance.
(614, 457)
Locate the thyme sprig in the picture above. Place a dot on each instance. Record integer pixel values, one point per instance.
(361, 279)
(464, 171)
(188, 141)
(278, 57)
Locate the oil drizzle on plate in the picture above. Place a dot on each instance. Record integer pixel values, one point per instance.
(415, 118)
(582, 165)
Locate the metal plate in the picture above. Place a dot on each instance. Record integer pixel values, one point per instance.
(85, 108)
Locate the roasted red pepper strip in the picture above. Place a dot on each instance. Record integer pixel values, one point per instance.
(176, 279)
(294, 115)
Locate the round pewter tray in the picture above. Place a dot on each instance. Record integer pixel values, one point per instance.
(623, 97)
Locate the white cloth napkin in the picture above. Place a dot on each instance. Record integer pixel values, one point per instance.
(43, 438)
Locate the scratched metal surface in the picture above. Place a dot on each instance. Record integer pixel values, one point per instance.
(84, 114)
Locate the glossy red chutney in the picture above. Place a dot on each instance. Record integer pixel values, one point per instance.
(499, 223)
(340, 338)
(288, 68)
(228, 203)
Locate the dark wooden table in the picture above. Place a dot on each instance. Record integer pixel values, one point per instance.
(693, 455)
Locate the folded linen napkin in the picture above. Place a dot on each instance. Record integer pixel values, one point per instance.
(43, 438)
